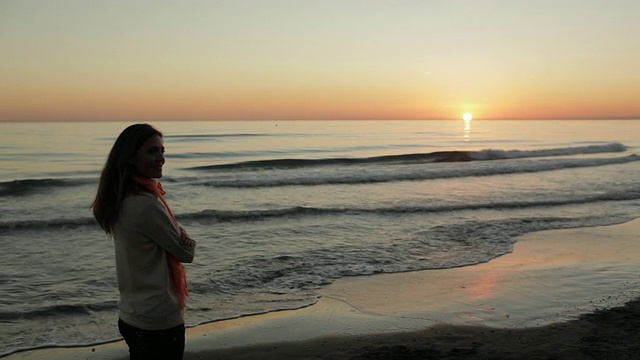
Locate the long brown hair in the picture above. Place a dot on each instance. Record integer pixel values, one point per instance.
(116, 180)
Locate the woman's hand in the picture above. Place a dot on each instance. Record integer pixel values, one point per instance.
(185, 240)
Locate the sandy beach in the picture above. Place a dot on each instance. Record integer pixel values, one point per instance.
(561, 294)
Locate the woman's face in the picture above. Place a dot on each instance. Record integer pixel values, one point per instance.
(150, 158)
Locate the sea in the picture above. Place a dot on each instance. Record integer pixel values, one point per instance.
(281, 209)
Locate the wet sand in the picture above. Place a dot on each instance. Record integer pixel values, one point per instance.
(608, 334)
(561, 294)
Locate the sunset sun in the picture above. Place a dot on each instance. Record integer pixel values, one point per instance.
(467, 116)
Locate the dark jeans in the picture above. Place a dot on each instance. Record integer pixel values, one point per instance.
(153, 344)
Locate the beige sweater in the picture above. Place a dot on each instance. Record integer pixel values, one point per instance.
(143, 235)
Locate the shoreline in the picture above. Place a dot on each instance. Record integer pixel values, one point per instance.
(565, 284)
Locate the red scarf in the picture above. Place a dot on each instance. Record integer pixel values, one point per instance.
(178, 272)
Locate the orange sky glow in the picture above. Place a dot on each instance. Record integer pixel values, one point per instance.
(288, 59)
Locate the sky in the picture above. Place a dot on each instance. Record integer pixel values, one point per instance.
(94, 60)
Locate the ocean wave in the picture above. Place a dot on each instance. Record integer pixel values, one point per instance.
(448, 156)
(272, 153)
(256, 215)
(30, 186)
(47, 224)
(410, 173)
(432, 157)
(58, 310)
(491, 154)
(297, 211)
(459, 244)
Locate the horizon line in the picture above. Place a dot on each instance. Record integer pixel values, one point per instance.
(325, 119)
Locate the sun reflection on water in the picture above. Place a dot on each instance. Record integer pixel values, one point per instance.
(467, 129)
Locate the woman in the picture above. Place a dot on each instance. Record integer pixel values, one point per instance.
(150, 245)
